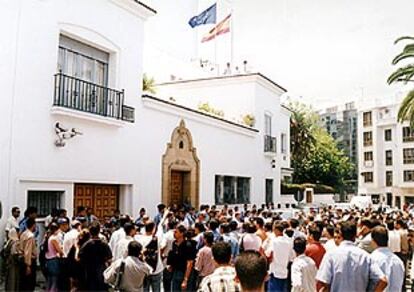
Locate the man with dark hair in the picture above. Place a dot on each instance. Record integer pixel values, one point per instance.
(151, 243)
(222, 279)
(279, 254)
(364, 235)
(28, 249)
(294, 225)
(94, 257)
(213, 227)
(225, 236)
(251, 271)
(315, 249)
(134, 270)
(349, 268)
(330, 234)
(181, 260)
(12, 222)
(31, 212)
(160, 214)
(390, 264)
(121, 249)
(204, 264)
(119, 233)
(303, 268)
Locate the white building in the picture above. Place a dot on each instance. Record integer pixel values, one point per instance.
(77, 66)
(386, 155)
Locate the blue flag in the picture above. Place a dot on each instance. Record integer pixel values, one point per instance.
(207, 16)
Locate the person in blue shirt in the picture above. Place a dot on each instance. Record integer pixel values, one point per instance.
(390, 264)
(348, 267)
(31, 212)
(158, 217)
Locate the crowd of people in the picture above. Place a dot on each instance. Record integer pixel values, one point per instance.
(246, 248)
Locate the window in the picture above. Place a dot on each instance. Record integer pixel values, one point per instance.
(368, 177)
(268, 125)
(232, 189)
(388, 178)
(408, 134)
(82, 61)
(409, 175)
(367, 119)
(44, 201)
(388, 157)
(269, 190)
(388, 135)
(408, 155)
(368, 156)
(367, 138)
(283, 143)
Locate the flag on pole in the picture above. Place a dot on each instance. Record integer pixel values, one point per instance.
(207, 16)
(221, 28)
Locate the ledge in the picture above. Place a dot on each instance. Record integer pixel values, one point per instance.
(62, 111)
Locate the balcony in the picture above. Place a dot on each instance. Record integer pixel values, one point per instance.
(269, 144)
(85, 96)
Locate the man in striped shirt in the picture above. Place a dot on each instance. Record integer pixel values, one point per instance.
(223, 277)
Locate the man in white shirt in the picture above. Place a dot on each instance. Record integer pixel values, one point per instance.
(134, 270)
(303, 268)
(280, 253)
(71, 237)
(119, 233)
(13, 221)
(390, 264)
(121, 249)
(394, 237)
(147, 239)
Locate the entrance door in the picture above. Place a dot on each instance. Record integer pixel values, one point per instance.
(177, 187)
(103, 199)
(308, 197)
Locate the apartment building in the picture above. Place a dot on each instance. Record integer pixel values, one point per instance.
(341, 122)
(386, 155)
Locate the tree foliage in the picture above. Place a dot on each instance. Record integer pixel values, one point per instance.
(405, 74)
(315, 156)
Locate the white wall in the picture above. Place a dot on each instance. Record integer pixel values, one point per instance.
(104, 152)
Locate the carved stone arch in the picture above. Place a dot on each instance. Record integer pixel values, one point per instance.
(180, 166)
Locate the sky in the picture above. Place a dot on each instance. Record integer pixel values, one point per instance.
(324, 52)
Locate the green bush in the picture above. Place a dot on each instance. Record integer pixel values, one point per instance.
(290, 189)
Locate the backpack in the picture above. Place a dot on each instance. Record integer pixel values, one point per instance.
(151, 253)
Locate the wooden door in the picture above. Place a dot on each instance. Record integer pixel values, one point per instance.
(308, 197)
(103, 199)
(176, 196)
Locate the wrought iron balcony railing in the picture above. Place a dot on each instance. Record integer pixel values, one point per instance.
(85, 96)
(269, 144)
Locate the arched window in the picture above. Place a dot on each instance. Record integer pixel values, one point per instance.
(181, 145)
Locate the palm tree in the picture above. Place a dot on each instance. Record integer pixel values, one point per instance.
(405, 74)
(148, 84)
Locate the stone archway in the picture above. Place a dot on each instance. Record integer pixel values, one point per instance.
(180, 169)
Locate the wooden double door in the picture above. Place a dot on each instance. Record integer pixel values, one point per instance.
(103, 199)
(180, 187)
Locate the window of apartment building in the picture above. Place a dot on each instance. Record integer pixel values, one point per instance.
(269, 190)
(368, 177)
(82, 61)
(368, 156)
(44, 201)
(388, 178)
(232, 189)
(388, 135)
(408, 155)
(283, 143)
(409, 175)
(367, 138)
(408, 134)
(388, 157)
(367, 119)
(268, 125)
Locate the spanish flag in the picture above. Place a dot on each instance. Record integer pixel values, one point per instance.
(221, 28)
